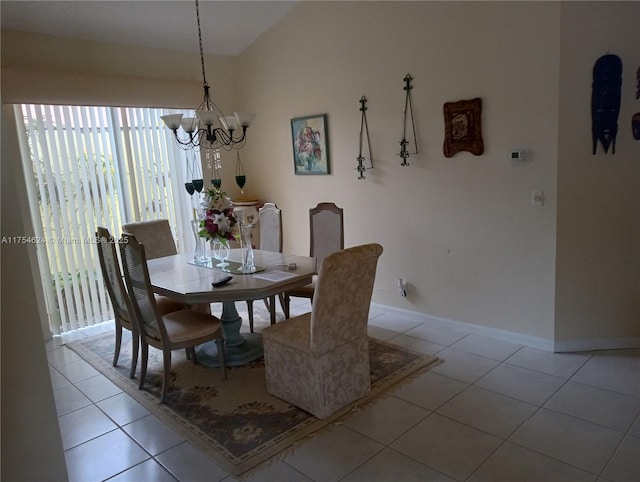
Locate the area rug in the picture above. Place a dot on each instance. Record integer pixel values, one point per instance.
(236, 422)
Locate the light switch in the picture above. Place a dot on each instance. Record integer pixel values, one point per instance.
(537, 198)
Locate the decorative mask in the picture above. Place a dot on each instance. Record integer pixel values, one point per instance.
(605, 101)
(635, 126)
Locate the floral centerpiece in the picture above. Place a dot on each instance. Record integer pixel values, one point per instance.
(218, 221)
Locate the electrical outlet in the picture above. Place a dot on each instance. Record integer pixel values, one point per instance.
(402, 287)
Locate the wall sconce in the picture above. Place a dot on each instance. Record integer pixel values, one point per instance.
(364, 130)
(408, 111)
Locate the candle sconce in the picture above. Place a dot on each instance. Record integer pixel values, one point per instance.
(192, 171)
(241, 179)
(214, 166)
(408, 114)
(364, 130)
(197, 181)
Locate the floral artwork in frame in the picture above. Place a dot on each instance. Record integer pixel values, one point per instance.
(462, 127)
(310, 144)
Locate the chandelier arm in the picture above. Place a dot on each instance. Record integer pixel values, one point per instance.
(226, 137)
(185, 144)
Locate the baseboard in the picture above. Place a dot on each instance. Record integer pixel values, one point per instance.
(598, 344)
(520, 338)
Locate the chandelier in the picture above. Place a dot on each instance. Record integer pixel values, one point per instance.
(202, 130)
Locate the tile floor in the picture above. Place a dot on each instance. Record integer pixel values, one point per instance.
(493, 411)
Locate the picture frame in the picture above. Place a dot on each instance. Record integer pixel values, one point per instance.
(463, 127)
(310, 143)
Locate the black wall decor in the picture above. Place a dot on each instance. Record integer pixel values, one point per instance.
(605, 101)
(407, 115)
(364, 132)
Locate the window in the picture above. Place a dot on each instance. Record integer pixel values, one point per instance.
(96, 166)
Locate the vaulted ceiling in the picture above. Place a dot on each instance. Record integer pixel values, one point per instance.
(228, 27)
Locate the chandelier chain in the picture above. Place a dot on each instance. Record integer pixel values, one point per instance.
(201, 130)
(204, 77)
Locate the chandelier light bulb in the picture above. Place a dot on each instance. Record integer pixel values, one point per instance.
(202, 130)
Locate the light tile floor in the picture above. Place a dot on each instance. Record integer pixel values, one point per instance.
(493, 411)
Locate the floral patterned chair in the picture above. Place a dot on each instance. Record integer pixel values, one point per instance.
(319, 361)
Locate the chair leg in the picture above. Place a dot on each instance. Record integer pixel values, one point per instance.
(287, 305)
(192, 353)
(250, 311)
(135, 348)
(143, 363)
(282, 302)
(116, 353)
(272, 309)
(166, 361)
(223, 367)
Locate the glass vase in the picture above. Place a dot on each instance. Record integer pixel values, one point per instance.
(248, 264)
(199, 255)
(220, 251)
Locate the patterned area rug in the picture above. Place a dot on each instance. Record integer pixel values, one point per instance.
(236, 421)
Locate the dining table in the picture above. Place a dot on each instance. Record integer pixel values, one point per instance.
(189, 281)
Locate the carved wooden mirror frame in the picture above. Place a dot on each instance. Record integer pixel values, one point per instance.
(462, 127)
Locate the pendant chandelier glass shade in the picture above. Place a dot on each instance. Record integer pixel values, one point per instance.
(210, 128)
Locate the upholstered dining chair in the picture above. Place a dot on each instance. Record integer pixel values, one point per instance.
(270, 225)
(122, 310)
(326, 224)
(270, 218)
(155, 235)
(319, 361)
(158, 241)
(167, 332)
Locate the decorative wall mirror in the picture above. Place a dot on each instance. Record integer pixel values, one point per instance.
(462, 127)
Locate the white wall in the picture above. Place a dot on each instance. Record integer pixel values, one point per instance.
(598, 269)
(31, 443)
(460, 230)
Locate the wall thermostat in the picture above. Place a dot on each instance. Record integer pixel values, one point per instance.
(516, 155)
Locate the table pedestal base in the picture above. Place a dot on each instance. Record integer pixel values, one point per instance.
(238, 349)
(234, 356)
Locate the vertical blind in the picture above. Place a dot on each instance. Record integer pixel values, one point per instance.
(95, 166)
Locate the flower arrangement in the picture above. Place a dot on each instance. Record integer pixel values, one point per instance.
(218, 220)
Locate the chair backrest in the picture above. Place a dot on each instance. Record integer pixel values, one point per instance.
(156, 236)
(327, 230)
(136, 275)
(112, 275)
(342, 297)
(270, 228)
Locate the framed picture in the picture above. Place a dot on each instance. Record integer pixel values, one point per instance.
(462, 127)
(310, 144)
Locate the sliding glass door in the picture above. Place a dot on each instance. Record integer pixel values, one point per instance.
(96, 166)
